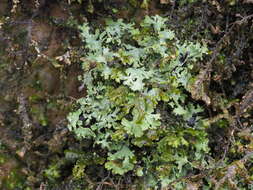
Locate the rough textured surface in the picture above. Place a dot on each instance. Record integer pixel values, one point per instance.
(40, 56)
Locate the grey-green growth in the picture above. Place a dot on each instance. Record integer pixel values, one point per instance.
(133, 75)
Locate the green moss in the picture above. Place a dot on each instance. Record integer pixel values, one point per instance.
(53, 172)
(39, 114)
(13, 178)
(13, 181)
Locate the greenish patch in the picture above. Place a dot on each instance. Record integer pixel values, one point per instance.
(11, 177)
(38, 113)
(129, 71)
(53, 172)
(184, 2)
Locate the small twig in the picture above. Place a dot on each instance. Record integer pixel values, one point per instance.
(27, 123)
(231, 172)
(88, 180)
(103, 182)
(243, 20)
